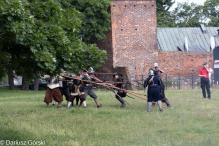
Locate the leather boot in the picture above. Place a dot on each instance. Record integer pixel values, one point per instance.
(167, 103)
(123, 105)
(122, 101)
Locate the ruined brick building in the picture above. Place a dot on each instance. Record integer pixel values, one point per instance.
(133, 47)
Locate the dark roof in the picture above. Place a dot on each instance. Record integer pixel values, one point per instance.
(173, 39)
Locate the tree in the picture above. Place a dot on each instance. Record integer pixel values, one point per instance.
(164, 5)
(211, 10)
(188, 15)
(41, 36)
(94, 15)
(163, 15)
(164, 18)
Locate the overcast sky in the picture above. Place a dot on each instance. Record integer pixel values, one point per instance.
(190, 1)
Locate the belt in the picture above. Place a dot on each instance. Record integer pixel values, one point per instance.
(153, 84)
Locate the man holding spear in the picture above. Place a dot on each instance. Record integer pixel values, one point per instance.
(88, 88)
(77, 91)
(120, 93)
(158, 72)
(153, 83)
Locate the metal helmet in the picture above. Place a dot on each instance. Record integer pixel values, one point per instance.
(91, 69)
(151, 72)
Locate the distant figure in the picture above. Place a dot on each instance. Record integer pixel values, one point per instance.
(204, 74)
(209, 74)
(153, 83)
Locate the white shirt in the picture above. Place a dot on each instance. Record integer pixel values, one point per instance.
(210, 72)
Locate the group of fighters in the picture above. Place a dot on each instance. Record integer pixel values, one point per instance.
(79, 86)
(72, 87)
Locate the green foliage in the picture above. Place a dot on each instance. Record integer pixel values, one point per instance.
(211, 10)
(192, 15)
(94, 15)
(41, 36)
(164, 5)
(188, 15)
(164, 18)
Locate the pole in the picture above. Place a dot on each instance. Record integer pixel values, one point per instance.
(122, 90)
(143, 82)
(179, 81)
(192, 79)
(102, 85)
(166, 81)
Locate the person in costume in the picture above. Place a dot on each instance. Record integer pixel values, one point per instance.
(88, 88)
(153, 83)
(77, 92)
(52, 90)
(121, 93)
(64, 87)
(158, 73)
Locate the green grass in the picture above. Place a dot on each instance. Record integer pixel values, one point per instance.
(192, 121)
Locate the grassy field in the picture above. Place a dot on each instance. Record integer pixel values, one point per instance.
(192, 120)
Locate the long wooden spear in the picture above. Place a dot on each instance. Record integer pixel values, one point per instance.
(121, 89)
(98, 84)
(101, 73)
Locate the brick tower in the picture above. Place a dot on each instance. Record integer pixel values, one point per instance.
(131, 44)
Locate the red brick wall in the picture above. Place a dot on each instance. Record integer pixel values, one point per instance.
(131, 44)
(173, 62)
(133, 37)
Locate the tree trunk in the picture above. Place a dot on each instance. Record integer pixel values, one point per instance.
(25, 85)
(11, 80)
(36, 84)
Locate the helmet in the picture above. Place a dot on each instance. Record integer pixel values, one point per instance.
(118, 73)
(151, 72)
(91, 69)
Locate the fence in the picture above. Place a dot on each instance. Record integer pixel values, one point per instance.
(188, 82)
